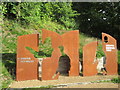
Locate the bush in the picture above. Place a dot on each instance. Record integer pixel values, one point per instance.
(116, 80)
(35, 12)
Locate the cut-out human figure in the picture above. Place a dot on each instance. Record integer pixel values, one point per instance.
(110, 49)
(50, 65)
(27, 64)
(70, 42)
(89, 55)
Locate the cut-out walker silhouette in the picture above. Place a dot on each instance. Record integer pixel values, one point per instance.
(70, 42)
(110, 50)
(89, 59)
(27, 64)
(50, 65)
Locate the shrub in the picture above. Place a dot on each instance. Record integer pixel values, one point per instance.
(116, 80)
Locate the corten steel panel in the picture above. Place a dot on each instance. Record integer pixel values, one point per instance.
(110, 50)
(50, 65)
(89, 55)
(27, 64)
(70, 41)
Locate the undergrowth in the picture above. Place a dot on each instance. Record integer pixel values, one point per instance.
(6, 78)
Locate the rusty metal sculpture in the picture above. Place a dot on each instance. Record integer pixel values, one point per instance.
(110, 50)
(50, 65)
(70, 42)
(27, 64)
(89, 56)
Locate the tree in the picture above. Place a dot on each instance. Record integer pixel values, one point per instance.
(96, 18)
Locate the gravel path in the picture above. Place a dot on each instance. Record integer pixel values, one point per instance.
(67, 80)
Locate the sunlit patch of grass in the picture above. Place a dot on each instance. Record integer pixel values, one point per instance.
(41, 87)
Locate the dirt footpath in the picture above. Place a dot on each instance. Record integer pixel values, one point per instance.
(69, 81)
(95, 85)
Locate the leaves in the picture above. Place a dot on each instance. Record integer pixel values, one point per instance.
(100, 52)
(98, 17)
(33, 12)
(116, 80)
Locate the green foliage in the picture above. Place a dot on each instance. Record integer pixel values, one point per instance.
(46, 47)
(32, 51)
(9, 61)
(35, 53)
(98, 17)
(81, 53)
(45, 51)
(35, 12)
(6, 78)
(116, 80)
(100, 52)
(62, 50)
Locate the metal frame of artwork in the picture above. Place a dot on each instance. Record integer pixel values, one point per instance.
(89, 59)
(110, 49)
(70, 42)
(27, 64)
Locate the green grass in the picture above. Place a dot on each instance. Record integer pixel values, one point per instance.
(41, 87)
(114, 80)
(101, 81)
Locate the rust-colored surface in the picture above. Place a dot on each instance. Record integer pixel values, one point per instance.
(50, 65)
(27, 64)
(70, 42)
(89, 55)
(110, 50)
